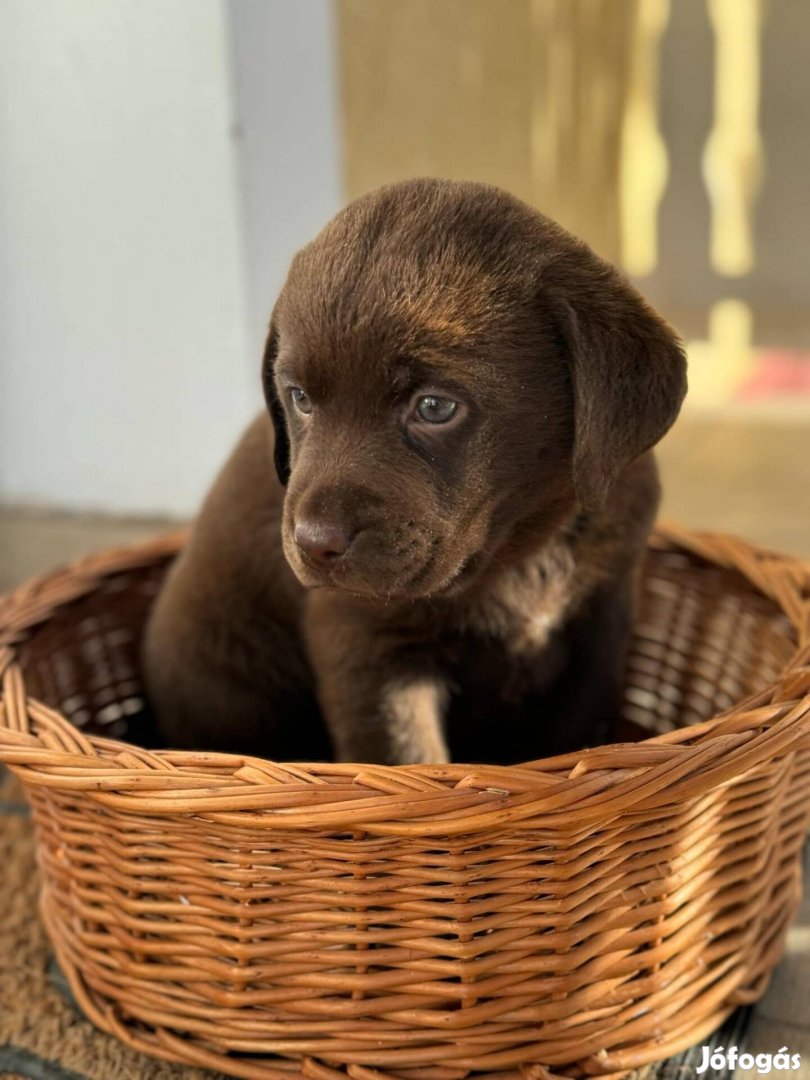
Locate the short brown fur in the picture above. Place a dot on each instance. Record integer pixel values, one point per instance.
(481, 609)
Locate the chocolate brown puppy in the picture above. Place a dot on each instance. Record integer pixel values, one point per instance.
(427, 547)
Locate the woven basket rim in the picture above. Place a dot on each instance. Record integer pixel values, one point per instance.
(46, 750)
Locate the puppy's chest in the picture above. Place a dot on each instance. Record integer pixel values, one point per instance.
(513, 643)
(523, 608)
(485, 670)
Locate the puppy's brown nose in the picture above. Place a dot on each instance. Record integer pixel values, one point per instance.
(322, 540)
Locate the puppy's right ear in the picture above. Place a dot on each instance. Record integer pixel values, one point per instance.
(281, 454)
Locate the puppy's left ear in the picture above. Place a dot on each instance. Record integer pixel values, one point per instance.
(281, 454)
(628, 369)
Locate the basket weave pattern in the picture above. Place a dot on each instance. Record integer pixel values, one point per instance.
(584, 914)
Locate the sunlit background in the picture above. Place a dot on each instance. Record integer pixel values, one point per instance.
(161, 160)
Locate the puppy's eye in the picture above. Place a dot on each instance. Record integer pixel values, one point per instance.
(436, 410)
(300, 400)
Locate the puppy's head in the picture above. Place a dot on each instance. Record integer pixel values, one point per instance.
(447, 369)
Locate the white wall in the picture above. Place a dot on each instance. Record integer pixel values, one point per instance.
(128, 359)
(285, 85)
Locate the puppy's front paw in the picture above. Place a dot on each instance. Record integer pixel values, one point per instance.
(404, 727)
(413, 714)
(427, 748)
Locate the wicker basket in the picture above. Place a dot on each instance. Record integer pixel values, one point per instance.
(580, 915)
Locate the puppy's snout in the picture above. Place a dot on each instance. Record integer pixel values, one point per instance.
(323, 541)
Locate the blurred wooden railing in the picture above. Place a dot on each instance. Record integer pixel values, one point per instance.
(636, 123)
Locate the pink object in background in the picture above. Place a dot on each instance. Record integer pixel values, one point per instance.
(779, 371)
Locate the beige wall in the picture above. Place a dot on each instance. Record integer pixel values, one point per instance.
(526, 94)
(534, 95)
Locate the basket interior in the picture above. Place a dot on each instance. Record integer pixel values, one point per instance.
(704, 640)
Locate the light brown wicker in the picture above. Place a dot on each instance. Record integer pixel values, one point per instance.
(579, 915)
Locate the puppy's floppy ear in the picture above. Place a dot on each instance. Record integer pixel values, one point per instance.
(627, 365)
(281, 455)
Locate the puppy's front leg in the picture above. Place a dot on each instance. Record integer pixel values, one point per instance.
(396, 723)
(376, 708)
